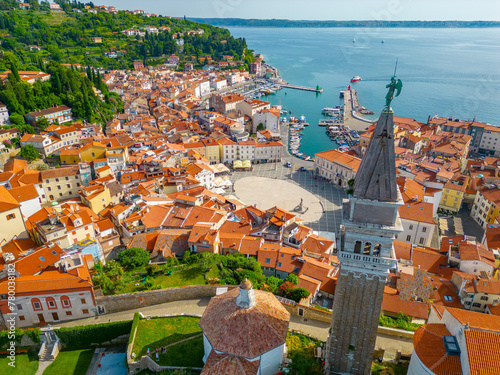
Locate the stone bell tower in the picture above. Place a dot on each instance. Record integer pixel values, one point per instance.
(369, 224)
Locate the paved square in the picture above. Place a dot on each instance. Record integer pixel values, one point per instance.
(323, 199)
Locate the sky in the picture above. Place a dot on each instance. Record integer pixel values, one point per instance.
(393, 10)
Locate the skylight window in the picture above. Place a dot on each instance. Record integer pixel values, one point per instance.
(451, 345)
(42, 259)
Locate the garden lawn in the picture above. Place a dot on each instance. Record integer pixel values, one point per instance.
(26, 364)
(386, 368)
(186, 354)
(183, 277)
(158, 332)
(74, 362)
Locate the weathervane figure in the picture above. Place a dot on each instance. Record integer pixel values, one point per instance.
(394, 86)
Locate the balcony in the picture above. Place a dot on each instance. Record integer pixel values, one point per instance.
(367, 259)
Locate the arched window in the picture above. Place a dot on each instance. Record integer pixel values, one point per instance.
(377, 249)
(357, 247)
(367, 249)
(65, 302)
(37, 305)
(51, 303)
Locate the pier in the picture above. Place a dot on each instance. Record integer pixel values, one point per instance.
(303, 88)
(351, 118)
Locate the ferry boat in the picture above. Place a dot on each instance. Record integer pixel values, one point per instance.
(356, 79)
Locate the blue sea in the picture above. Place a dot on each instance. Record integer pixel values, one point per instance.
(448, 72)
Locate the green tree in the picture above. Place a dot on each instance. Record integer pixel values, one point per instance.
(152, 269)
(29, 152)
(260, 127)
(133, 257)
(293, 278)
(43, 123)
(16, 119)
(298, 293)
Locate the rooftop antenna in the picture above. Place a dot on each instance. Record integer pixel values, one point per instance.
(396, 67)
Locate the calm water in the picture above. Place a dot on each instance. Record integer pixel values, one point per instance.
(450, 72)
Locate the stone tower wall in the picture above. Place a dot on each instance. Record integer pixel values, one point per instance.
(356, 312)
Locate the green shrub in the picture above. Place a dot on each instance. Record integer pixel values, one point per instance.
(152, 269)
(293, 278)
(298, 293)
(133, 257)
(135, 323)
(321, 308)
(402, 322)
(33, 334)
(83, 336)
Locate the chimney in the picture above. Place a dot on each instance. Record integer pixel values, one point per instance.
(246, 297)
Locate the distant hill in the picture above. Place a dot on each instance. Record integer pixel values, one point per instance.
(112, 41)
(306, 23)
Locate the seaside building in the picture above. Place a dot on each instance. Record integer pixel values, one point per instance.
(336, 166)
(369, 226)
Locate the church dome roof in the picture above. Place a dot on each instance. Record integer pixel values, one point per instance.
(245, 332)
(229, 364)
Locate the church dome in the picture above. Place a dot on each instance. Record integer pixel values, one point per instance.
(248, 331)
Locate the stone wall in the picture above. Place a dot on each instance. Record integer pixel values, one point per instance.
(308, 312)
(130, 301)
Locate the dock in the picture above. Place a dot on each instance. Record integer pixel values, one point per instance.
(351, 118)
(303, 88)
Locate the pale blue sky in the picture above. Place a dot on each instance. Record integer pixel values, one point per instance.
(320, 9)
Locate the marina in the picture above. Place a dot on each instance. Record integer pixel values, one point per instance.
(295, 133)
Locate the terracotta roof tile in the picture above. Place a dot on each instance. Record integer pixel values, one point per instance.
(7, 201)
(393, 304)
(483, 350)
(428, 260)
(225, 364)
(247, 333)
(24, 193)
(476, 319)
(428, 345)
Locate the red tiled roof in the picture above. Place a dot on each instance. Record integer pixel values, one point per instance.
(48, 282)
(226, 364)
(428, 344)
(483, 350)
(38, 261)
(7, 201)
(476, 319)
(24, 193)
(247, 333)
(428, 260)
(393, 304)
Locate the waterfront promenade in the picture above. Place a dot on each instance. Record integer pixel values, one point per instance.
(351, 102)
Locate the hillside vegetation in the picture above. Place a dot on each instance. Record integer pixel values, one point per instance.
(67, 37)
